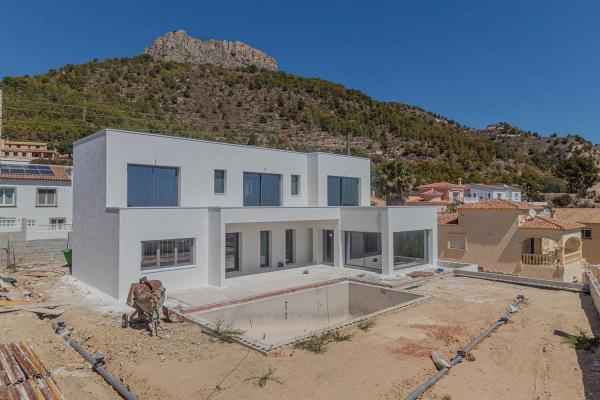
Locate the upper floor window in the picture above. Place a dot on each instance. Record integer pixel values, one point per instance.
(342, 191)
(262, 189)
(150, 186)
(219, 181)
(46, 197)
(586, 233)
(295, 185)
(7, 197)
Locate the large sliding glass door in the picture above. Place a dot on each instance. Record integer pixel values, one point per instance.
(410, 248)
(363, 249)
(262, 190)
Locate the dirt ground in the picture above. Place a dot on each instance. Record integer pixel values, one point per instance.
(526, 359)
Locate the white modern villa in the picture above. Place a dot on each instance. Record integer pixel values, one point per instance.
(194, 213)
(476, 192)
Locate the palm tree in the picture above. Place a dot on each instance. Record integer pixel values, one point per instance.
(394, 180)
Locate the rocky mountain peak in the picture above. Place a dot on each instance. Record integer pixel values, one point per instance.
(181, 47)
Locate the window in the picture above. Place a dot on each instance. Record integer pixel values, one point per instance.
(219, 181)
(410, 249)
(8, 222)
(264, 249)
(342, 191)
(31, 222)
(7, 197)
(232, 251)
(46, 197)
(458, 242)
(262, 189)
(167, 253)
(295, 185)
(57, 221)
(289, 246)
(363, 249)
(586, 233)
(149, 186)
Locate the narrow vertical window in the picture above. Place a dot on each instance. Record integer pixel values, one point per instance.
(264, 249)
(289, 246)
(219, 181)
(295, 185)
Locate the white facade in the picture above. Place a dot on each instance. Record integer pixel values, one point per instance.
(486, 192)
(44, 221)
(109, 236)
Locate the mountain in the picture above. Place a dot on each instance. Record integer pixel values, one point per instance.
(179, 46)
(248, 104)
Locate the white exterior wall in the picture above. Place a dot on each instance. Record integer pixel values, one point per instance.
(26, 196)
(489, 193)
(95, 230)
(165, 223)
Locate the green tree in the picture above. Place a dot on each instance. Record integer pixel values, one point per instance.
(395, 181)
(580, 172)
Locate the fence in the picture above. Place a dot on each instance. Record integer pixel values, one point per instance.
(26, 252)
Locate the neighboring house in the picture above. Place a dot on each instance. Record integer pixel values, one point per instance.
(36, 199)
(509, 237)
(439, 194)
(192, 212)
(499, 191)
(590, 232)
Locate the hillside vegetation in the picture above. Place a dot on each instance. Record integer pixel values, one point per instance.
(274, 109)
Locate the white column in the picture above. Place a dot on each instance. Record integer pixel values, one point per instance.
(337, 246)
(387, 245)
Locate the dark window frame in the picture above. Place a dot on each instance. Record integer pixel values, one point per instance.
(224, 177)
(159, 244)
(295, 186)
(154, 168)
(586, 233)
(261, 200)
(267, 255)
(340, 200)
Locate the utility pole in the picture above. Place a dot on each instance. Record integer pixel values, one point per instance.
(348, 141)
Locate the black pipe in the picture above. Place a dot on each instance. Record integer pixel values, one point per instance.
(461, 354)
(96, 361)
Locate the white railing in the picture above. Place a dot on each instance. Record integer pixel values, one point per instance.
(54, 228)
(540, 259)
(8, 223)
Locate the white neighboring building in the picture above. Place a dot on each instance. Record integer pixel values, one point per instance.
(486, 192)
(193, 213)
(36, 198)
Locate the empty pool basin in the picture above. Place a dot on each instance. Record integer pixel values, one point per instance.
(276, 321)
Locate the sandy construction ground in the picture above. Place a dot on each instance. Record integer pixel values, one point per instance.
(526, 359)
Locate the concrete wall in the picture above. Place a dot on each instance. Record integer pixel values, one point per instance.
(26, 195)
(494, 240)
(95, 229)
(197, 161)
(591, 247)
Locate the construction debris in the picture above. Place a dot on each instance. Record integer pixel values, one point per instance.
(23, 375)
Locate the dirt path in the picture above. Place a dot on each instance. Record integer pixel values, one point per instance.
(384, 363)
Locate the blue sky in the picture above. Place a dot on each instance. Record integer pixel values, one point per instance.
(534, 64)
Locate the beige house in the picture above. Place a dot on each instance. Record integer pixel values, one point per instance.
(510, 237)
(590, 233)
(439, 194)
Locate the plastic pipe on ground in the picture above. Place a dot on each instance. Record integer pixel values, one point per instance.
(96, 361)
(461, 354)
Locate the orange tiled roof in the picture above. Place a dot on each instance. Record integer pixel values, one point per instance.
(581, 215)
(499, 204)
(419, 200)
(60, 174)
(539, 222)
(448, 219)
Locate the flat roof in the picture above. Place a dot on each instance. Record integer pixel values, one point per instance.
(160, 135)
